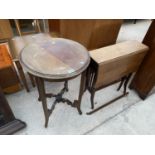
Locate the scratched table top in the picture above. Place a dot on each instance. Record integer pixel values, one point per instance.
(52, 58)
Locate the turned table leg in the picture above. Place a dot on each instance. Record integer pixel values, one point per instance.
(32, 79)
(77, 103)
(42, 97)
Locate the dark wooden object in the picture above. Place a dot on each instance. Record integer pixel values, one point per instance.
(92, 33)
(8, 77)
(58, 97)
(112, 64)
(5, 29)
(9, 80)
(54, 25)
(144, 80)
(8, 123)
(5, 35)
(63, 60)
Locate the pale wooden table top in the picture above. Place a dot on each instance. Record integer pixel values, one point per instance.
(52, 58)
(110, 53)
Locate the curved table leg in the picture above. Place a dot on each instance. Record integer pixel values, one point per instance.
(126, 82)
(42, 97)
(77, 103)
(32, 79)
(59, 98)
(121, 83)
(92, 98)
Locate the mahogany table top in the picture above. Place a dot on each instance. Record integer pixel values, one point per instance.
(52, 58)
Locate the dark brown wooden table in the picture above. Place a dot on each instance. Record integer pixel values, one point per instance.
(55, 60)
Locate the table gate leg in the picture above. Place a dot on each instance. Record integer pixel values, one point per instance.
(126, 82)
(42, 95)
(121, 83)
(92, 98)
(88, 75)
(77, 103)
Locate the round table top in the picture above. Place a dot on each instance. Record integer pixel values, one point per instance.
(54, 58)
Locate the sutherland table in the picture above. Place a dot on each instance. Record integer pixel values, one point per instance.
(112, 64)
(55, 60)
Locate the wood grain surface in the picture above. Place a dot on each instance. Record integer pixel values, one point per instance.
(92, 33)
(8, 77)
(5, 58)
(144, 80)
(50, 57)
(117, 61)
(5, 29)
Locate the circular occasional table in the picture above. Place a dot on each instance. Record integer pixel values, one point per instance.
(55, 60)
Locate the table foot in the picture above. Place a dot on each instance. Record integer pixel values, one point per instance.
(79, 110)
(76, 104)
(108, 103)
(46, 123)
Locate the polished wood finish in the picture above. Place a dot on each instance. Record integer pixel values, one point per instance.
(67, 57)
(104, 33)
(59, 97)
(8, 77)
(92, 33)
(77, 103)
(10, 124)
(42, 97)
(54, 25)
(112, 64)
(5, 29)
(5, 35)
(144, 80)
(54, 60)
(32, 78)
(9, 80)
(5, 58)
(125, 56)
(114, 52)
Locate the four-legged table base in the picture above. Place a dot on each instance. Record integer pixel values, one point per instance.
(58, 97)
